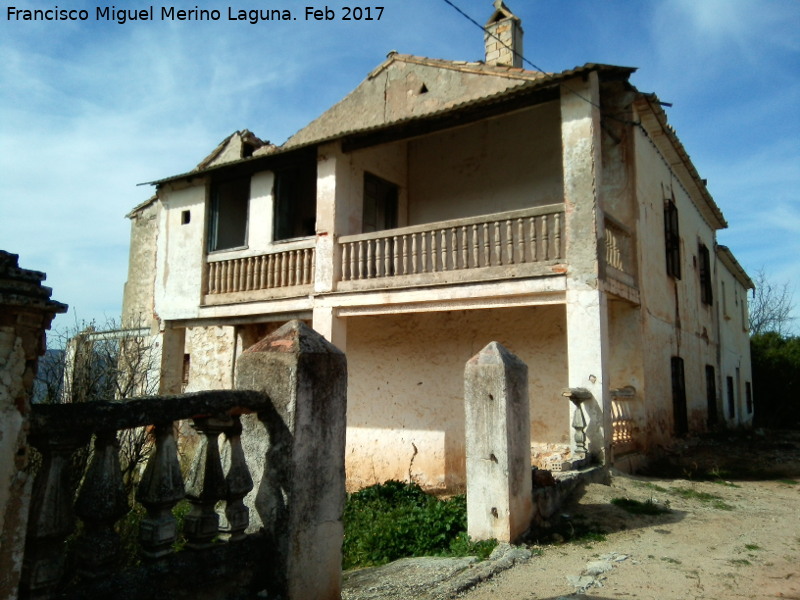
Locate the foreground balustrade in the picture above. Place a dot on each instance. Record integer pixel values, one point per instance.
(58, 431)
(502, 240)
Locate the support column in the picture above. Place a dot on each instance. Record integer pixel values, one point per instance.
(173, 343)
(300, 464)
(587, 311)
(332, 187)
(498, 445)
(330, 326)
(26, 311)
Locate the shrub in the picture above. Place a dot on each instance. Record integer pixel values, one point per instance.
(394, 520)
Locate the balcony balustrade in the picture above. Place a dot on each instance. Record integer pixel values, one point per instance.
(620, 258)
(507, 244)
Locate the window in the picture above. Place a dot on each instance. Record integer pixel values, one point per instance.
(731, 398)
(228, 219)
(679, 412)
(380, 204)
(748, 396)
(706, 288)
(672, 239)
(711, 395)
(295, 201)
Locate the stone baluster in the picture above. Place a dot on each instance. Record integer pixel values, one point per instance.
(395, 255)
(102, 500)
(379, 258)
(444, 250)
(414, 253)
(464, 248)
(534, 253)
(387, 257)
(520, 241)
(454, 247)
(206, 484)
(370, 259)
(160, 489)
(475, 248)
(423, 268)
(238, 483)
(545, 238)
(433, 252)
(361, 259)
(51, 516)
(498, 255)
(250, 268)
(486, 261)
(405, 254)
(509, 242)
(557, 227)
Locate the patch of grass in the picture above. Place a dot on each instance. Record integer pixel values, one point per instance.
(635, 507)
(656, 488)
(673, 561)
(740, 561)
(689, 494)
(788, 481)
(394, 520)
(752, 547)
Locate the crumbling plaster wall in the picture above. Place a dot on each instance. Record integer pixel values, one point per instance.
(211, 351)
(494, 165)
(406, 388)
(734, 342)
(675, 321)
(138, 295)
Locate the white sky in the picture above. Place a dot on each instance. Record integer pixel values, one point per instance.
(90, 109)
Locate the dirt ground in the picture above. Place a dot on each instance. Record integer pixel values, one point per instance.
(732, 531)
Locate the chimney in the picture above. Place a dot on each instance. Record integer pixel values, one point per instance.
(503, 37)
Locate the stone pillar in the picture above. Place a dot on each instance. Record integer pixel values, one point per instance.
(173, 342)
(26, 311)
(587, 311)
(332, 182)
(300, 463)
(498, 445)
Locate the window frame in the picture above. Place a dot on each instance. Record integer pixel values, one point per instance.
(238, 197)
(672, 238)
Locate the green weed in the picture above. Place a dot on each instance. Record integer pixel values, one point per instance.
(635, 507)
(394, 520)
(752, 547)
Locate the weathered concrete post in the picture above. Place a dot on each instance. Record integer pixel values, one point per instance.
(499, 497)
(300, 497)
(26, 311)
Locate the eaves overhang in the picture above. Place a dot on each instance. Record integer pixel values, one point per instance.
(655, 124)
(729, 260)
(528, 93)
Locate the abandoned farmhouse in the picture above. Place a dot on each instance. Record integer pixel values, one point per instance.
(440, 206)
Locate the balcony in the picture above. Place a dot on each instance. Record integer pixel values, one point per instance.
(519, 243)
(287, 271)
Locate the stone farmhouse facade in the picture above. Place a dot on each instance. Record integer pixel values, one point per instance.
(443, 205)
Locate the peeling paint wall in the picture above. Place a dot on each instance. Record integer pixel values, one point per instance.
(405, 395)
(676, 322)
(211, 352)
(494, 165)
(139, 291)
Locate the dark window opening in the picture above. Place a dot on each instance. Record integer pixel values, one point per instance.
(672, 239)
(228, 220)
(731, 398)
(679, 411)
(186, 216)
(187, 365)
(706, 288)
(296, 201)
(711, 395)
(423, 89)
(380, 204)
(248, 149)
(748, 397)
